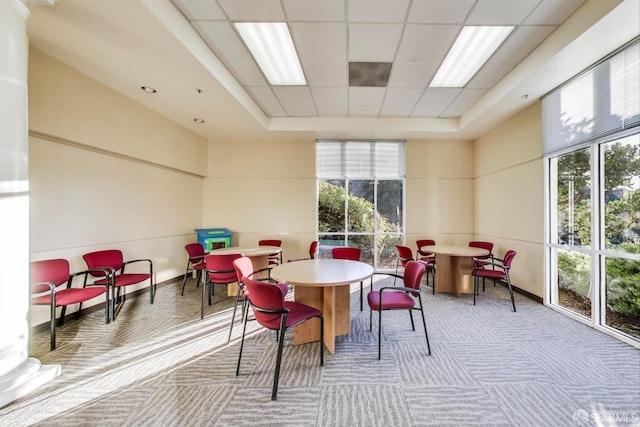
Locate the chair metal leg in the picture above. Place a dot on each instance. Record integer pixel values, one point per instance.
(321, 340)
(413, 326)
(184, 281)
(379, 332)
(475, 288)
(276, 377)
(425, 326)
(233, 316)
(361, 295)
(244, 329)
(204, 294)
(52, 337)
(513, 302)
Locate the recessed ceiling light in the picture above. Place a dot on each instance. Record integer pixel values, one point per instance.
(272, 47)
(198, 120)
(148, 89)
(469, 52)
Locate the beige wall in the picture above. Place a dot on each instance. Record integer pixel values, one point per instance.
(439, 191)
(263, 190)
(107, 173)
(509, 196)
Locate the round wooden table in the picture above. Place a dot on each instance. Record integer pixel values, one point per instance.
(453, 267)
(325, 285)
(259, 256)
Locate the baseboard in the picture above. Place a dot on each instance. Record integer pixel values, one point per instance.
(45, 327)
(527, 294)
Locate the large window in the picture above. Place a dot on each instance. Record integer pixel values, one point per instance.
(592, 145)
(361, 198)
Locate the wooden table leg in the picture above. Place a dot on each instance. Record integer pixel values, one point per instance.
(334, 302)
(453, 274)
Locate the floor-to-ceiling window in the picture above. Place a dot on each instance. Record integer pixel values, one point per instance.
(360, 197)
(591, 128)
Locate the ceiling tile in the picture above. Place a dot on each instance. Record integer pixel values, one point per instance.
(230, 50)
(426, 43)
(490, 74)
(315, 11)
(412, 75)
(439, 12)
(462, 102)
(331, 101)
(253, 10)
(200, 9)
(326, 73)
(501, 12)
(320, 41)
(553, 12)
(373, 42)
(399, 102)
(520, 43)
(434, 101)
(296, 100)
(266, 99)
(377, 10)
(365, 101)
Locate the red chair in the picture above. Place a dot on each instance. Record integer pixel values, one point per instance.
(481, 261)
(405, 255)
(399, 298)
(47, 275)
(113, 260)
(244, 268)
(313, 250)
(500, 271)
(422, 255)
(273, 312)
(276, 257)
(195, 262)
(218, 270)
(429, 259)
(353, 254)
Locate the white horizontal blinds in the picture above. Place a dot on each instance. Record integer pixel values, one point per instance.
(599, 102)
(360, 159)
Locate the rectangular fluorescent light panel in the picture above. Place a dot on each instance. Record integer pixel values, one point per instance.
(272, 47)
(473, 47)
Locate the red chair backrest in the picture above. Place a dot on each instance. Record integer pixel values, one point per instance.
(55, 271)
(404, 252)
(424, 242)
(224, 264)
(267, 296)
(413, 272)
(269, 242)
(508, 257)
(482, 245)
(193, 250)
(346, 252)
(243, 267)
(111, 258)
(313, 249)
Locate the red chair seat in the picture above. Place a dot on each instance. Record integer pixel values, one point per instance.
(70, 296)
(391, 300)
(127, 279)
(493, 274)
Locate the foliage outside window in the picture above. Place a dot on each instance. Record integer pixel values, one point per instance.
(595, 193)
(360, 198)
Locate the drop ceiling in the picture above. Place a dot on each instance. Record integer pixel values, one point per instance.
(189, 51)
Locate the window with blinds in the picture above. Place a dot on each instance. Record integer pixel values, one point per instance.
(602, 101)
(360, 198)
(360, 159)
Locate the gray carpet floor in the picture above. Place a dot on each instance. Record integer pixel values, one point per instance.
(160, 365)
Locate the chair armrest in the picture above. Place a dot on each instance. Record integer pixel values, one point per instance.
(42, 287)
(108, 272)
(137, 260)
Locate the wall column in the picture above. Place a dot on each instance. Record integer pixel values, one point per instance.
(19, 374)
